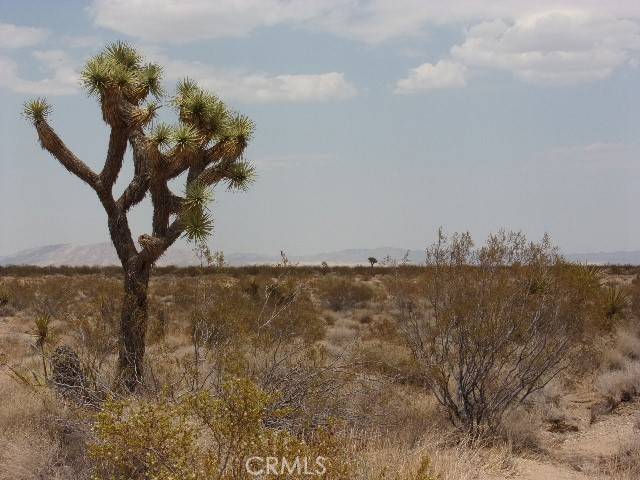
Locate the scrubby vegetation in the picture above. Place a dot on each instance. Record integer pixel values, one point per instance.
(473, 365)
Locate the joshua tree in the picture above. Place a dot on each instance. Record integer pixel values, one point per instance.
(372, 261)
(206, 145)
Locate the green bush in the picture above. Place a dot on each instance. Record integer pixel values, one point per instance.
(202, 437)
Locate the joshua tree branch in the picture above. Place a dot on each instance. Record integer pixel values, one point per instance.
(163, 206)
(159, 244)
(56, 147)
(207, 157)
(137, 189)
(215, 173)
(115, 156)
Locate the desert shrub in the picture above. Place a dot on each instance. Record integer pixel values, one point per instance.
(340, 293)
(308, 385)
(202, 436)
(18, 293)
(149, 440)
(497, 325)
(384, 329)
(259, 308)
(233, 324)
(94, 328)
(393, 361)
(53, 295)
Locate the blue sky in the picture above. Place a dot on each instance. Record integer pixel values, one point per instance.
(377, 121)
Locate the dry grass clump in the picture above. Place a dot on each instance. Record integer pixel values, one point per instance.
(613, 359)
(341, 293)
(434, 457)
(28, 455)
(628, 344)
(39, 437)
(623, 465)
(620, 385)
(619, 377)
(519, 429)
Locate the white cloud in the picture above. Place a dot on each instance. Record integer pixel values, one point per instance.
(188, 20)
(552, 48)
(548, 42)
(556, 48)
(249, 87)
(62, 79)
(14, 36)
(444, 74)
(365, 20)
(257, 87)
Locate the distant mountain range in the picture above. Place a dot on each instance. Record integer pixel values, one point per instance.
(103, 254)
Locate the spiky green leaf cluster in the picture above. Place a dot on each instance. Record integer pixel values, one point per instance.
(240, 127)
(240, 176)
(119, 66)
(36, 110)
(161, 135)
(195, 216)
(197, 196)
(185, 138)
(198, 225)
(201, 109)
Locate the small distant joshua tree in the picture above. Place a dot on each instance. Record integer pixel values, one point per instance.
(206, 144)
(372, 261)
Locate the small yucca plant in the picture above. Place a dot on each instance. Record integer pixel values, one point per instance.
(616, 300)
(42, 330)
(43, 335)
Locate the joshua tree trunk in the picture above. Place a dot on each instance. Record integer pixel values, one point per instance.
(207, 145)
(133, 326)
